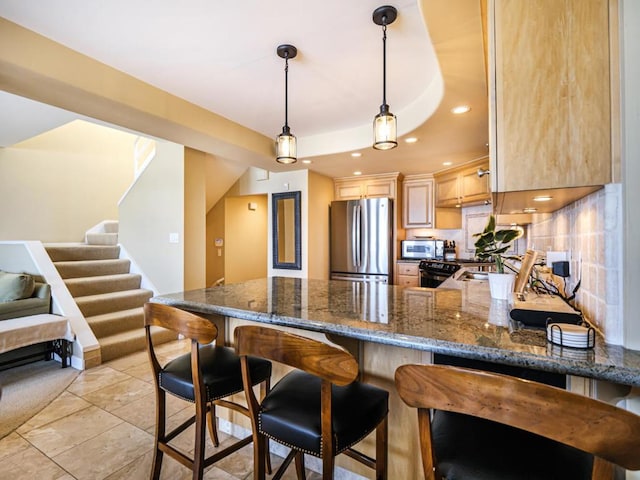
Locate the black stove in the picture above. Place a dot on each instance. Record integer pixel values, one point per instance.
(434, 272)
(440, 266)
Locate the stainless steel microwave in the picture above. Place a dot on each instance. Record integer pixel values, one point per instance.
(421, 249)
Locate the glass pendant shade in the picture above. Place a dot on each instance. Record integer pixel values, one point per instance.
(286, 147)
(384, 130)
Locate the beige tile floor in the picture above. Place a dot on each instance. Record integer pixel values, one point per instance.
(102, 427)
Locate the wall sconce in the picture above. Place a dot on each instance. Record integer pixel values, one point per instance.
(286, 141)
(384, 124)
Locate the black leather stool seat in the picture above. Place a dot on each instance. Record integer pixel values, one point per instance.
(474, 448)
(290, 413)
(221, 373)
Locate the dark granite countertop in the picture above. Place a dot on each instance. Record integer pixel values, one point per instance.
(461, 321)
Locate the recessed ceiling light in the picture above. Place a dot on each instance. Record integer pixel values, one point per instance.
(356, 154)
(306, 161)
(460, 109)
(446, 164)
(530, 210)
(410, 140)
(357, 172)
(542, 198)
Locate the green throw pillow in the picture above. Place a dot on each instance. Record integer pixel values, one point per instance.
(15, 286)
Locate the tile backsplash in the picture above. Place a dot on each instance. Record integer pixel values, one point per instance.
(473, 221)
(590, 229)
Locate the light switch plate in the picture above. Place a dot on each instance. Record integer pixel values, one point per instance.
(174, 237)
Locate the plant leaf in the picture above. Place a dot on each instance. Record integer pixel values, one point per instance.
(491, 224)
(507, 236)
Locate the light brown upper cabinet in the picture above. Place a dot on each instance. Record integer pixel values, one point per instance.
(550, 99)
(370, 186)
(462, 185)
(417, 211)
(418, 206)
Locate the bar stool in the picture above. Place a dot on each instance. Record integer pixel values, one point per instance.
(492, 426)
(205, 376)
(318, 408)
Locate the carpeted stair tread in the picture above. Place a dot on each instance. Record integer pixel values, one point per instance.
(83, 286)
(61, 252)
(92, 305)
(116, 322)
(131, 341)
(91, 268)
(107, 294)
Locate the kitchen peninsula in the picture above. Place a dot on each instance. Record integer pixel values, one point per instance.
(462, 322)
(386, 326)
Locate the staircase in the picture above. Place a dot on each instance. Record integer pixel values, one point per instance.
(108, 295)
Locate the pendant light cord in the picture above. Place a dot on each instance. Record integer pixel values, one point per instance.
(384, 62)
(286, 91)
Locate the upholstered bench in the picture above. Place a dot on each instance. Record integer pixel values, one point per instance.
(23, 331)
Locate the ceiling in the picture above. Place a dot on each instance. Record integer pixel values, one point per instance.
(222, 57)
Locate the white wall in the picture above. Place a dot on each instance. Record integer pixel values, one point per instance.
(47, 182)
(153, 209)
(257, 181)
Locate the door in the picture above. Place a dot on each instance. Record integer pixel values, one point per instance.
(375, 226)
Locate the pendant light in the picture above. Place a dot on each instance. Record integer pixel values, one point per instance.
(384, 124)
(286, 141)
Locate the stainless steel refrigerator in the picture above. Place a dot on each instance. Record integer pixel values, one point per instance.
(361, 232)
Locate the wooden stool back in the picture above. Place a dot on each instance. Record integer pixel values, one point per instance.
(332, 365)
(200, 331)
(611, 434)
(322, 360)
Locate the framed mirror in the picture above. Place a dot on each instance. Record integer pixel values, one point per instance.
(287, 249)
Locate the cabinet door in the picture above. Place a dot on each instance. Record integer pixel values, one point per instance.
(365, 188)
(408, 281)
(410, 269)
(418, 204)
(447, 194)
(349, 191)
(473, 189)
(380, 188)
(407, 274)
(552, 94)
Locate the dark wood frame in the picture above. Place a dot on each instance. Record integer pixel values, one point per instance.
(199, 331)
(611, 434)
(333, 365)
(297, 263)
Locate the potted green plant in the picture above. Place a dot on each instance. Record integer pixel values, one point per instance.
(492, 244)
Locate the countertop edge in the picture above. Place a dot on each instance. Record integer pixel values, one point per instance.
(556, 365)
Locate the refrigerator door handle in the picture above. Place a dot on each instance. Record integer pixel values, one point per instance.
(364, 244)
(358, 231)
(354, 240)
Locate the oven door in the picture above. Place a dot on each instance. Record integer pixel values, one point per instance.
(432, 279)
